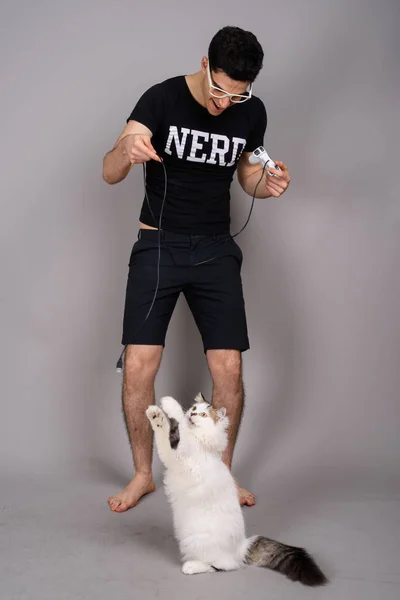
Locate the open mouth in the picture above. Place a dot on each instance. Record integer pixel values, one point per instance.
(219, 108)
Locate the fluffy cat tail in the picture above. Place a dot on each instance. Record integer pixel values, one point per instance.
(291, 561)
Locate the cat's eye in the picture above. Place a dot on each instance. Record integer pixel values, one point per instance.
(203, 414)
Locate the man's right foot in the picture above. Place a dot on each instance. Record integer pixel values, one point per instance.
(130, 496)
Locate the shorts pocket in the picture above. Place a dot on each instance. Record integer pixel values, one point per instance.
(139, 247)
(236, 250)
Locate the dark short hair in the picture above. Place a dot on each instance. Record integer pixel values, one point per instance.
(237, 53)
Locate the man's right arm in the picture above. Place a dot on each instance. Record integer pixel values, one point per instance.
(133, 146)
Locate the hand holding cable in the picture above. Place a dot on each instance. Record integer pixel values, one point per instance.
(138, 148)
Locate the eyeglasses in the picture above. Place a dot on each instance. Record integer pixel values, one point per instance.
(219, 93)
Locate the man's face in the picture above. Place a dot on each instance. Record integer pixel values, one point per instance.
(216, 106)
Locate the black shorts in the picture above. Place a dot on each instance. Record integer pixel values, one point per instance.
(206, 268)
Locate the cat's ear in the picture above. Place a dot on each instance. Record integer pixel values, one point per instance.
(221, 413)
(199, 399)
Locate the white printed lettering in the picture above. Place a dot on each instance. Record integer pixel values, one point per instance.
(221, 146)
(236, 141)
(196, 146)
(179, 144)
(216, 138)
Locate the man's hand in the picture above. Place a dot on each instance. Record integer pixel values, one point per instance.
(138, 148)
(249, 175)
(133, 146)
(275, 185)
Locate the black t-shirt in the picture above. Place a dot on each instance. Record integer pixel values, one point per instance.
(200, 152)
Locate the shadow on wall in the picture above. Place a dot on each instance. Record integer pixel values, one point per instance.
(269, 365)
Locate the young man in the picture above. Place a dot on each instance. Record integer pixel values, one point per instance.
(204, 126)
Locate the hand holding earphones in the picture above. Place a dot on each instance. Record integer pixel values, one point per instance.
(138, 148)
(260, 155)
(277, 176)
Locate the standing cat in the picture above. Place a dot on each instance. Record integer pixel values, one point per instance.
(208, 519)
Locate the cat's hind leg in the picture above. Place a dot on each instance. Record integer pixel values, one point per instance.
(194, 567)
(225, 563)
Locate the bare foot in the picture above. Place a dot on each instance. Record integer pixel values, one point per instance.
(129, 497)
(245, 498)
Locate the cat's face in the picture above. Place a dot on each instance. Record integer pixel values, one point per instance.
(203, 416)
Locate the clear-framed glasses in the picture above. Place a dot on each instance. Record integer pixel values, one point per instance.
(219, 93)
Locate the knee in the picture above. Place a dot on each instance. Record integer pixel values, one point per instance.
(142, 363)
(226, 367)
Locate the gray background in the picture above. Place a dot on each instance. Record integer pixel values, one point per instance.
(320, 439)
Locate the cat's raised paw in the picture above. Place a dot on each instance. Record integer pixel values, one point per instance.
(172, 408)
(156, 416)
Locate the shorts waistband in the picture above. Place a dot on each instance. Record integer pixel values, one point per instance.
(170, 236)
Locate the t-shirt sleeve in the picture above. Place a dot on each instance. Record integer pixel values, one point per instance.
(257, 133)
(149, 109)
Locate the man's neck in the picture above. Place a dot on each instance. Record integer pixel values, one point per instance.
(194, 82)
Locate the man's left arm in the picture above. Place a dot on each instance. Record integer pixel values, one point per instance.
(249, 175)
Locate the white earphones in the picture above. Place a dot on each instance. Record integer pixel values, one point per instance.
(260, 155)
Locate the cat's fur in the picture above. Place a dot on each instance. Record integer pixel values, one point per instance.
(208, 519)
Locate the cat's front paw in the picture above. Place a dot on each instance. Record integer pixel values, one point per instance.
(156, 416)
(172, 408)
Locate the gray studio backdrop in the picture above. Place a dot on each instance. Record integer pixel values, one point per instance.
(320, 265)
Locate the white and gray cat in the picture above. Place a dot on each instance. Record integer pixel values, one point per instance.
(208, 519)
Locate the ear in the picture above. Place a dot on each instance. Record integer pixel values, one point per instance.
(204, 63)
(200, 399)
(221, 414)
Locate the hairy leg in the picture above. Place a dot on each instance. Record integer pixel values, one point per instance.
(140, 369)
(228, 391)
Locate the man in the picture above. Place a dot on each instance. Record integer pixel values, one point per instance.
(204, 127)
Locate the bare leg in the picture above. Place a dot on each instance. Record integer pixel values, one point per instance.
(228, 391)
(140, 369)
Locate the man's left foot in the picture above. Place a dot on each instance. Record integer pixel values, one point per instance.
(246, 498)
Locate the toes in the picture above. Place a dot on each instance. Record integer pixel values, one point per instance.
(246, 498)
(118, 505)
(123, 507)
(247, 501)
